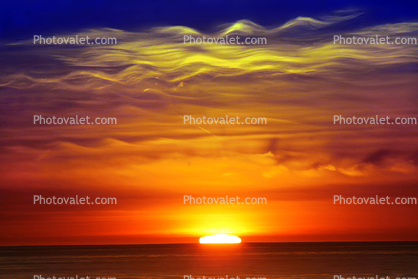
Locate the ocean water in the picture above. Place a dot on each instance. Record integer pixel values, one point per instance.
(259, 260)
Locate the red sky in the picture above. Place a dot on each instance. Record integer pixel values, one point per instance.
(298, 161)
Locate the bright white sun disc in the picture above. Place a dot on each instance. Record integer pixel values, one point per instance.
(220, 238)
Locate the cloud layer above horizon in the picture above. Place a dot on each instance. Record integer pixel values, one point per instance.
(298, 81)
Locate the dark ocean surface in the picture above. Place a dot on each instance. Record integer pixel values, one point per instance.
(260, 260)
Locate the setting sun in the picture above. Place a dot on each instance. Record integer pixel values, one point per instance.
(220, 238)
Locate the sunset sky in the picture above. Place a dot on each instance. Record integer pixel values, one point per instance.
(150, 159)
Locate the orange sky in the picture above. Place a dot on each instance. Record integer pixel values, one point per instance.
(150, 159)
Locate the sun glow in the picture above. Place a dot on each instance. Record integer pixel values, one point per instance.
(220, 238)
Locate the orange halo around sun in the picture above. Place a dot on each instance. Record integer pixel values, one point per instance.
(220, 238)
